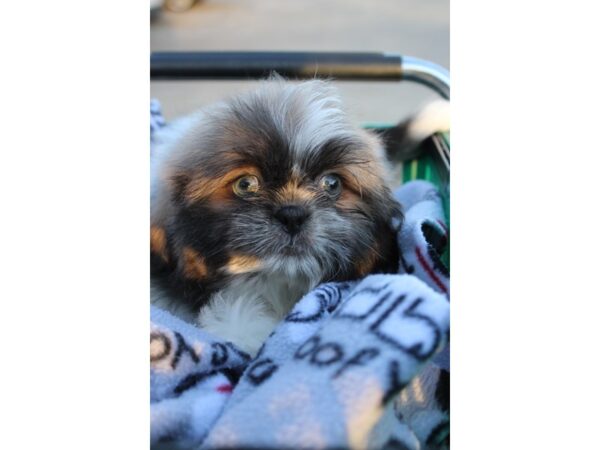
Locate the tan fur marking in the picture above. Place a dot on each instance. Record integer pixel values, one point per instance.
(158, 242)
(373, 172)
(350, 199)
(193, 264)
(365, 266)
(356, 178)
(291, 192)
(242, 264)
(203, 188)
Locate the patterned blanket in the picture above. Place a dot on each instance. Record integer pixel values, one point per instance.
(360, 364)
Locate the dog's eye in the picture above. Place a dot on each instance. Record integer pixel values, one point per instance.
(331, 184)
(246, 185)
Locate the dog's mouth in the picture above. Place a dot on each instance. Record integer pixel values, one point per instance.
(297, 245)
(293, 248)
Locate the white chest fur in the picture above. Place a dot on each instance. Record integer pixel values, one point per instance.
(249, 308)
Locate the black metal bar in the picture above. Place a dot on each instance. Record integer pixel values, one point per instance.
(298, 65)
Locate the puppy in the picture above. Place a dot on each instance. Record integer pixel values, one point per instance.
(257, 200)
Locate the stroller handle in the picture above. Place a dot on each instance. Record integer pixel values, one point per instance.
(300, 65)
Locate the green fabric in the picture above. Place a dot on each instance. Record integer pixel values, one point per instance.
(429, 167)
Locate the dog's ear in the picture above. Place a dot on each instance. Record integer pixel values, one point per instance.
(167, 196)
(385, 254)
(178, 184)
(161, 257)
(388, 239)
(388, 242)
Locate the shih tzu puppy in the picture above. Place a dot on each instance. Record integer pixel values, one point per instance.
(257, 200)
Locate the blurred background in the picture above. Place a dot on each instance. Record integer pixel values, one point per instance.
(417, 28)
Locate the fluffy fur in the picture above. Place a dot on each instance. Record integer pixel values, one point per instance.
(406, 136)
(228, 261)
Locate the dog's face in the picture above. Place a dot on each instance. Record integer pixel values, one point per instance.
(277, 181)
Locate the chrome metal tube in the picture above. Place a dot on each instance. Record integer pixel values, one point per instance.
(427, 73)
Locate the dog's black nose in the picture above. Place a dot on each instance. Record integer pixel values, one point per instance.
(292, 217)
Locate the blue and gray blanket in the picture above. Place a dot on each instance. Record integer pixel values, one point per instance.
(358, 364)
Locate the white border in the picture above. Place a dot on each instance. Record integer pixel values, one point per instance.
(525, 225)
(74, 184)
